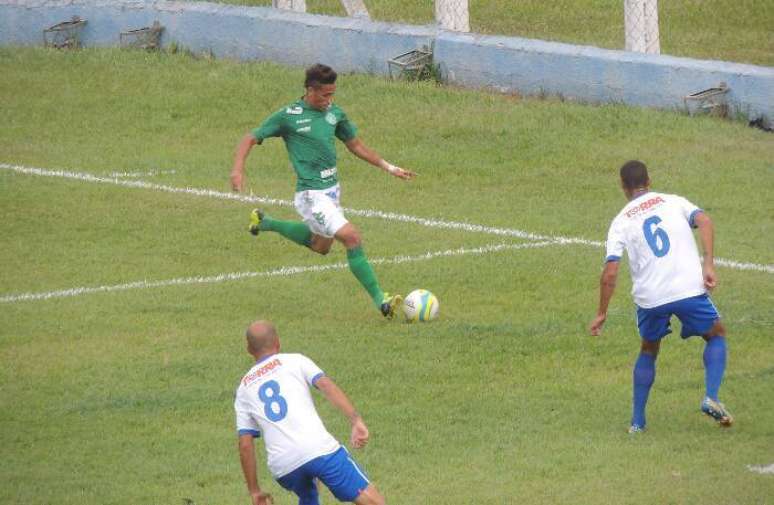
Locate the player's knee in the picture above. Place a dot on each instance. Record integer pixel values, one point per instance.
(717, 330)
(650, 347)
(320, 245)
(323, 250)
(349, 236)
(351, 240)
(370, 496)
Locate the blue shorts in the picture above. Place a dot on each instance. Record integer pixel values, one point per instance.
(338, 471)
(697, 315)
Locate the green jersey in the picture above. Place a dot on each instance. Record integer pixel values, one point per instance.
(309, 138)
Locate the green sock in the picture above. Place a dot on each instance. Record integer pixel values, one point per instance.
(296, 231)
(361, 269)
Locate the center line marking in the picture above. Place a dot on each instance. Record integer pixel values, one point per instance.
(277, 272)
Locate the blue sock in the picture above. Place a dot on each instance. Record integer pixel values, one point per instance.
(643, 376)
(714, 365)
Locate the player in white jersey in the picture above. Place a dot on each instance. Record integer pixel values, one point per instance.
(273, 400)
(669, 278)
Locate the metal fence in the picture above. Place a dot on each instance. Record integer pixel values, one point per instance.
(641, 26)
(640, 18)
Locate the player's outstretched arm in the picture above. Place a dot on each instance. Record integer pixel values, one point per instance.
(707, 236)
(238, 170)
(247, 458)
(606, 289)
(365, 153)
(334, 394)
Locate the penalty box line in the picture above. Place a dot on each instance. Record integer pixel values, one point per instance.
(368, 213)
(278, 272)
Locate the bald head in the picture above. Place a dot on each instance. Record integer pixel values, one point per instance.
(262, 338)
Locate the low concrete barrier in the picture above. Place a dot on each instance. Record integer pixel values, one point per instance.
(598, 75)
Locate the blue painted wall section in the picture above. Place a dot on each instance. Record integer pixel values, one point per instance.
(247, 33)
(507, 64)
(596, 75)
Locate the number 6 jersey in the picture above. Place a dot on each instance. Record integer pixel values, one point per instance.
(273, 399)
(655, 230)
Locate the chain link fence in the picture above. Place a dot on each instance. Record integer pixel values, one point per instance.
(640, 18)
(452, 15)
(290, 5)
(356, 9)
(707, 29)
(641, 26)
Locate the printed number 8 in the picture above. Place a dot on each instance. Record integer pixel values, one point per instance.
(657, 238)
(274, 398)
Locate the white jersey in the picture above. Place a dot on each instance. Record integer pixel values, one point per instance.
(655, 230)
(273, 399)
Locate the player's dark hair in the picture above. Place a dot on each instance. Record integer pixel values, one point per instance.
(319, 74)
(634, 175)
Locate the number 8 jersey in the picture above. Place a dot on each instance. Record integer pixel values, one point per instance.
(273, 399)
(655, 230)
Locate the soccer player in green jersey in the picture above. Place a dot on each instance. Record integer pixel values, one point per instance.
(309, 127)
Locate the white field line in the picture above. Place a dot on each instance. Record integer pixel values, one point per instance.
(769, 469)
(278, 272)
(389, 216)
(135, 175)
(370, 213)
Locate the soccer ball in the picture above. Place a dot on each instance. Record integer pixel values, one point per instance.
(420, 305)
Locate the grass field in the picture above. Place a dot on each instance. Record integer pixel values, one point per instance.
(708, 29)
(124, 395)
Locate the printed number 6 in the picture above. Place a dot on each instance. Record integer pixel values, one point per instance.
(272, 399)
(657, 238)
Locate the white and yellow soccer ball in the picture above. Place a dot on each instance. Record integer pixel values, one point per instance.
(420, 305)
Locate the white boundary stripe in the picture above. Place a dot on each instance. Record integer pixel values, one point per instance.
(80, 176)
(389, 216)
(769, 269)
(152, 173)
(768, 469)
(278, 272)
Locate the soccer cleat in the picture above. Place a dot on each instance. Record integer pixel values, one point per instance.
(390, 304)
(636, 428)
(717, 411)
(256, 216)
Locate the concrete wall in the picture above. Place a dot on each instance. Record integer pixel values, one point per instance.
(507, 64)
(248, 33)
(598, 75)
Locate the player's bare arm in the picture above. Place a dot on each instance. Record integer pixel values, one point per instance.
(707, 237)
(334, 394)
(238, 170)
(365, 153)
(247, 459)
(607, 283)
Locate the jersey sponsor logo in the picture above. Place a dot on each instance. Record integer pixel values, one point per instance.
(644, 206)
(268, 367)
(302, 121)
(330, 118)
(304, 129)
(294, 110)
(328, 172)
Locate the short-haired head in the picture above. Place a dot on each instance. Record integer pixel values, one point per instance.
(319, 74)
(634, 176)
(262, 338)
